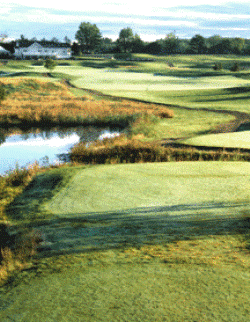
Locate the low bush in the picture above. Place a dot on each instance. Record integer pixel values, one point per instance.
(50, 64)
(17, 255)
(235, 67)
(217, 66)
(3, 93)
(12, 184)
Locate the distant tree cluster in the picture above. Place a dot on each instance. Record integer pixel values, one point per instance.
(89, 40)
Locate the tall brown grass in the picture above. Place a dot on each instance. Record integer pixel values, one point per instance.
(42, 102)
(124, 150)
(17, 255)
(15, 248)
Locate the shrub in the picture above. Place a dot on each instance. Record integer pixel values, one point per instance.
(50, 64)
(235, 67)
(217, 66)
(3, 93)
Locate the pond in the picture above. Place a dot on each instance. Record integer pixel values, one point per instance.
(21, 148)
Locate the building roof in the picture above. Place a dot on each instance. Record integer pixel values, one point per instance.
(45, 44)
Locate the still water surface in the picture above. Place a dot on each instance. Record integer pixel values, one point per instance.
(45, 146)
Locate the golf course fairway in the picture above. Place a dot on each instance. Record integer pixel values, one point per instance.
(235, 140)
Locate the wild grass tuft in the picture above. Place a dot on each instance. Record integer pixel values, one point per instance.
(16, 257)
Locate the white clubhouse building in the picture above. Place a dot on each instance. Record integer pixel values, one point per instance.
(43, 50)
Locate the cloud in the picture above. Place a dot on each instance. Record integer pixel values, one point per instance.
(148, 20)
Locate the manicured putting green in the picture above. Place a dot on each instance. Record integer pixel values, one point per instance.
(238, 140)
(138, 187)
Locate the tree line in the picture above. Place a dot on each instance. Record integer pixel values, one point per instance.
(90, 40)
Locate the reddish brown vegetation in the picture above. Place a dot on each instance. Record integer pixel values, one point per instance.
(42, 102)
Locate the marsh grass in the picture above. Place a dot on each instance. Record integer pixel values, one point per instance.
(132, 150)
(38, 102)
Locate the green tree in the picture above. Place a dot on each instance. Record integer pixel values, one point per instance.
(107, 45)
(171, 43)
(225, 46)
(125, 40)
(137, 44)
(67, 40)
(88, 36)
(197, 45)
(50, 64)
(237, 45)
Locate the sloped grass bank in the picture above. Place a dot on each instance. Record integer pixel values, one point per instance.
(235, 140)
(149, 242)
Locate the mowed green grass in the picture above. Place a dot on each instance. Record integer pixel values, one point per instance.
(193, 82)
(98, 290)
(101, 189)
(136, 242)
(134, 190)
(237, 140)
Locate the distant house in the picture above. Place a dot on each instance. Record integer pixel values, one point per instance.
(43, 50)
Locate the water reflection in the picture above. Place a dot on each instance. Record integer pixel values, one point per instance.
(24, 147)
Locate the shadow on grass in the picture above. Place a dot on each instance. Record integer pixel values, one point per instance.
(84, 232)
(119, 228)
(225, 99)
(227, 91)
(41, 188)
(106, 64)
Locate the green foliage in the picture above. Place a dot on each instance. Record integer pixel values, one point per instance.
(217, 66)
(171, 43)
(235, 67)
(3, 93)
(88, 36)
(50, 64)
(197, 45)
(125, 40)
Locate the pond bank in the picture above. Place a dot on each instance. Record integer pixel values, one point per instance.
(45, 146)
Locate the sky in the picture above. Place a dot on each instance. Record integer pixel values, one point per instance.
(151, 20)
